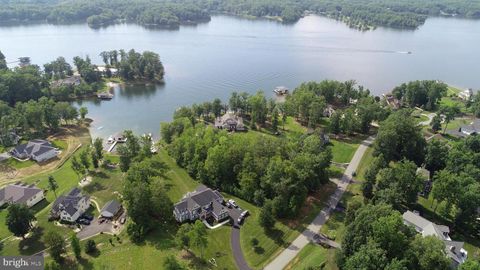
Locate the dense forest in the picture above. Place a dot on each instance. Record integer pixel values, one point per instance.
(361, 14)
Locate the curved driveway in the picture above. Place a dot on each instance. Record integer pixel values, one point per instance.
(237, 250)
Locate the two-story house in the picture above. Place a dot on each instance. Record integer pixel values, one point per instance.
(71, 206)
(201, 204)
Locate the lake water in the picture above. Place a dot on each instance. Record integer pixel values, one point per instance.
(231, 54)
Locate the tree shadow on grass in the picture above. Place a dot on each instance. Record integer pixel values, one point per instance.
(258, 250)
(32, 244)
(94, 187)
(162, 237)
(86, 264)
(99, 174)
(276, 235)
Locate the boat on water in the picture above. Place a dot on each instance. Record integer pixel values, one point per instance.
(105, 96)
(281, 90)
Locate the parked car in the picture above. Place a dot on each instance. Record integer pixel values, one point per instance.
(239, 220)
(122, 221)
(83, 221)
(244, 213)
(87, 217)
(232, 202)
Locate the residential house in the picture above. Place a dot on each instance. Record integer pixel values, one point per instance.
(453, 249)
(71, 206)
(103, 70)
(230, 122)
(281, 90)
(38, 150)
(71, 81)
(328, 111)
(111, 209)
(466, 94)
(201, 204)
(392, 101)
(472, 129)
(21, 193)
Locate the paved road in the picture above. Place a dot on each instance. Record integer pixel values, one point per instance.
(303, 239)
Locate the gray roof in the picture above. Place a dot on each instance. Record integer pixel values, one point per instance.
(68, 202)
(472, 128)
(229, 119)
(202, 197)
(34, 147)
(18, 192)
(70, 81)
(427, 228)
(111, 208)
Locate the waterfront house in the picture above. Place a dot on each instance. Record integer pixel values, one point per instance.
(230, 122)
(71, 81)
(111, 209)
(472, 129)
(466, 94)
(281, 90)
(201, 204)
(71, 206)
(38, 150)
(20, 193)
(453, 249)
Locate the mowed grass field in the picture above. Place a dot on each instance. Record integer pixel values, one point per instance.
(312, 256)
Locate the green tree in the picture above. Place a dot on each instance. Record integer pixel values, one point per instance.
(52, 185)
(77, 167)
(335, 122)
(398, 185)
(76, 248)
(266, 218)
(84, 160)
(3, 62)
(94, 158)
(90, 247)
(182, 238)
(426, 253)
(399, 137)
(436, 123)
(19, 219)
(171, 263)
(199, 237)
(83, 112)
(275, 117)
(55, 244)
(449, 112)
(470, 265)
(436, 156)
(98, 148)
(368, 257)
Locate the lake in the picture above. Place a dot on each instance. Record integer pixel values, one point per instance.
(231, 54)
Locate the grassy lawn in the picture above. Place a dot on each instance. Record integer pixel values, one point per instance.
(457, 123)
(19, 164)
(343, 151)
(310, 256)
(364, 164)
(60, 144)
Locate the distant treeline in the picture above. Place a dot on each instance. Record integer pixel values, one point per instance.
(362, 14)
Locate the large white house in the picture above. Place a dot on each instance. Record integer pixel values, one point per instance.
(453, 249)
(38, 150)
(21, 194)
(71, 206)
